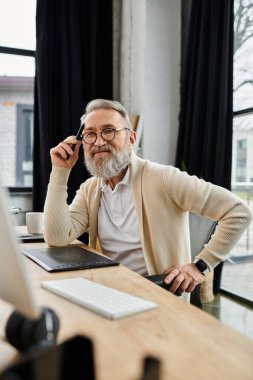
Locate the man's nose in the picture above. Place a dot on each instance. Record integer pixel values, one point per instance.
(99, 141)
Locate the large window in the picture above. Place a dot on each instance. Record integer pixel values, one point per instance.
(237, 278)
(17, 70)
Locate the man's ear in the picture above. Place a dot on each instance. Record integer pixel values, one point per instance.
(132, 137)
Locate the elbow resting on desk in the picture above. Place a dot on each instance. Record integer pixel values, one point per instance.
(58, 238)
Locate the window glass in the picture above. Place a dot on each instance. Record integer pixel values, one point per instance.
(242, 169)
(243, 54)
(17, 24)
(237, 274)
(16, 119)
(16, 65)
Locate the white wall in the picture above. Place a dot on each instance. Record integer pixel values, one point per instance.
(150, 72)
(132, 57)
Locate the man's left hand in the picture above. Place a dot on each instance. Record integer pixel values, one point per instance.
(184, 278)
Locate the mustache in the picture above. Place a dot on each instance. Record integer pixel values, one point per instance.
(99, 149)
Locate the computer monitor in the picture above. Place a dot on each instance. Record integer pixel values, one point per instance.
(15, 287)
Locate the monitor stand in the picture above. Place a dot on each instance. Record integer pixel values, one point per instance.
(72, 359)
(27, 334)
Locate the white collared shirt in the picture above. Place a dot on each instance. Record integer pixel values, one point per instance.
(118, 229)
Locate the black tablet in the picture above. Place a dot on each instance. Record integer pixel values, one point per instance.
(29, 238)
(58, 259)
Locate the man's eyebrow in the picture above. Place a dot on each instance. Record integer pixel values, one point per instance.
(104, 126)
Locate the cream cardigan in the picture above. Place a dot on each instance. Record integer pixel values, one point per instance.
(163, 196)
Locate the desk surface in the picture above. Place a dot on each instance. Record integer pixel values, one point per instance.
(190, 343)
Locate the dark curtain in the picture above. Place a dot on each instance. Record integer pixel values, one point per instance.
(73, 66)
(204, 145)
(205, 122)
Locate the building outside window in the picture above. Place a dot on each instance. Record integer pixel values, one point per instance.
(16, 124)
(241, 155)
(17, 71)
(237, 278)
(24, 146)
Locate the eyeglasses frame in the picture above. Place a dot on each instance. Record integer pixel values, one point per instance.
(101, 133)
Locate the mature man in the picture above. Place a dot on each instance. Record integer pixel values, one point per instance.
(136, 209)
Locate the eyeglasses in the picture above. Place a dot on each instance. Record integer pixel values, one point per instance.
(107, 134)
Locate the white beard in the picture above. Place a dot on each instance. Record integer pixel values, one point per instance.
(110, 167)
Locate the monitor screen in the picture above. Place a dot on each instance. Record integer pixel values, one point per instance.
(14, 282)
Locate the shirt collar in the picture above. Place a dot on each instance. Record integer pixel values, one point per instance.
(125, 181)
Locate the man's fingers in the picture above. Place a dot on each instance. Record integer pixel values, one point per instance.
(65, 154)
(171, 275)
(68, 147)
(65, 149)
(192, 285)
(182, 278)
(59, 151)
(176, 284)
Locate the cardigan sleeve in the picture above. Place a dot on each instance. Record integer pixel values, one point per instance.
(214, 202)
(61, 223)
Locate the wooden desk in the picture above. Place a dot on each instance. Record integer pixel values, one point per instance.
(190, 343)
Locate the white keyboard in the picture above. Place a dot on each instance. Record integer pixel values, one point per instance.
(108, 302)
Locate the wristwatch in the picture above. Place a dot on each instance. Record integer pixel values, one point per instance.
(201, 266)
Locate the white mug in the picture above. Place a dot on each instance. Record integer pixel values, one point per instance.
(34, 222)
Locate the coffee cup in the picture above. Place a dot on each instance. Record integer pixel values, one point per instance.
(35, 222)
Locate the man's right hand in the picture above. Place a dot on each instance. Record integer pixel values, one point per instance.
(65, 154)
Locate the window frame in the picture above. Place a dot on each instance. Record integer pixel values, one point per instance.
(26, 53)
(232, 292)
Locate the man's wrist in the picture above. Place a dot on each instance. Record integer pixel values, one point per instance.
(59, 175)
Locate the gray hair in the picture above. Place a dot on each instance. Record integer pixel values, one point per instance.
(98, 104)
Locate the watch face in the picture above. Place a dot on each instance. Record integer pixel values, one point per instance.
(201, 265)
